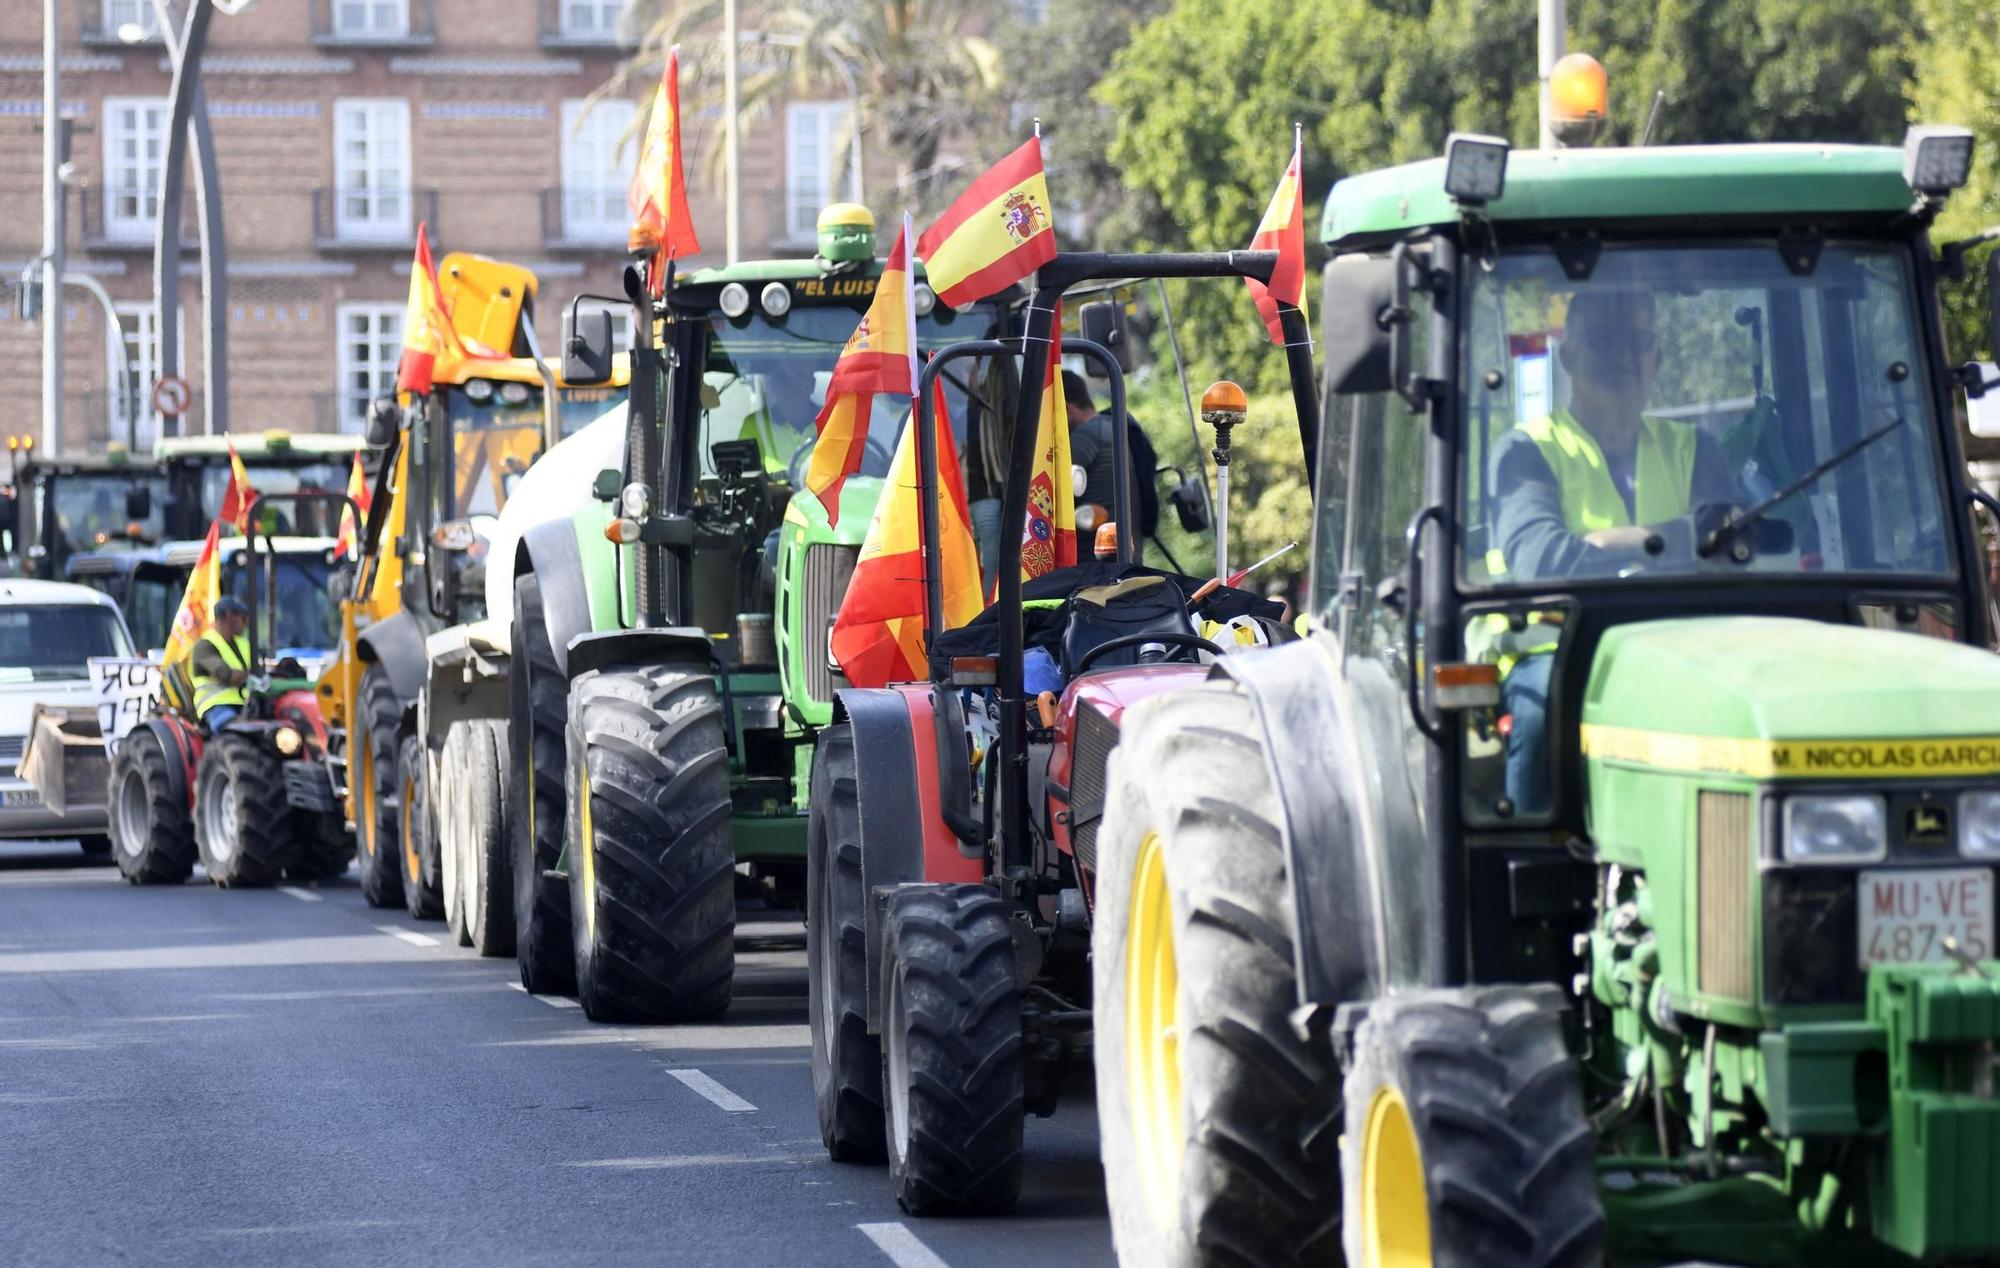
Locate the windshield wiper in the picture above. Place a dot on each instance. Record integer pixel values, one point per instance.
(1735, 524)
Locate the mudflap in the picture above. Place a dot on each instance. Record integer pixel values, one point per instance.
(904, 839)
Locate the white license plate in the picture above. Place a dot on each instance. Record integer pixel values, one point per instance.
(20, 798)
(1907, 915)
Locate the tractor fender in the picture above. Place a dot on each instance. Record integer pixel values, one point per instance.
(684, 645)
(396, 644)
(549, 550)
(182, 745)
(904, 839)
(1355, 936)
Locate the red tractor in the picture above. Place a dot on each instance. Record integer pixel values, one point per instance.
(254, 800)
(953, 820)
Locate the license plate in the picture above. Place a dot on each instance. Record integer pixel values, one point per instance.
(20, 798)
(1907, 915)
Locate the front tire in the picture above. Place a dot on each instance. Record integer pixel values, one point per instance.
(372, 741)
(1466, 1139)
(538, 714)
(485, 882)
(152, 833)
(652, 886)
(951, 1051)
(422, 896)
(846, 1059)
(1218, 1125)
(243, 822)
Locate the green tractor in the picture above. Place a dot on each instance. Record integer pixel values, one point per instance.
(670, 669)
(1609, 873)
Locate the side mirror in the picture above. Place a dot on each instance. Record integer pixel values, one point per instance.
(1358, 327)
(1993, 300)
(586, 346)
(1103, 322)
(138, 503)
(383, 417)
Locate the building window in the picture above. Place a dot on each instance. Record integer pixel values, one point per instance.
(814, 133)
(371, 343)
(592, 19)
(138, 330)
(135, 14)
(365, 19)
(371, 169)
(135, 132)
(593, 176)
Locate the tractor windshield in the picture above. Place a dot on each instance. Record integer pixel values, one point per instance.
(85, 510)
(328, 476)
(308, 609)
(1624, 425)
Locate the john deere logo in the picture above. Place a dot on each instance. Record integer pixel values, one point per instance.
(1926, 825)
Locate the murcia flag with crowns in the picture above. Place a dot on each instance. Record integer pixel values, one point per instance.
(1283, 230)
(880, 356)
(999, 231)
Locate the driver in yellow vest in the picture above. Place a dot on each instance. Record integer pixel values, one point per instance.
(1589, 489)
(220, 664)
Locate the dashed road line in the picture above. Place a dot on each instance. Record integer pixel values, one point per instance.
(303, 895)
(901, 1245)
(405, 935)
(712, 1091)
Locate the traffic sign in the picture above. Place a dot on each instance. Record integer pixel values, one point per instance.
(171, 395)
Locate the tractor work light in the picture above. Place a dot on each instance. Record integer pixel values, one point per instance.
(1475, 167)
(513, 393)
(734, 300)
(1979, 825)
(479, 391)
(287, 740)
(1835, 829)
(1937, 158)
(776, 299)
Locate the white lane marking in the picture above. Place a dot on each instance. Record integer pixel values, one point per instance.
(712, 1091)
(901, 1246)
(516, 986)
(303, 895)
(556, 1001)
(405, 935)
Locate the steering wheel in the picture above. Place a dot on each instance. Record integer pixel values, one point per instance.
(1123, 641)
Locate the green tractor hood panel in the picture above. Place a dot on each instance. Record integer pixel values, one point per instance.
(1771, 697)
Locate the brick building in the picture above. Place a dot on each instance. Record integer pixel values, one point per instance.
(338, 126)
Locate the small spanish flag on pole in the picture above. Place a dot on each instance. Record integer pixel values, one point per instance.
(999, 231)
(1283, 230)
(197, 607)
(347, 546)
(239, 496)
(657, 196)
(427, 332)
(1048, 538)
(880, 356)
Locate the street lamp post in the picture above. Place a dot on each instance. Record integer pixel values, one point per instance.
(52, 230)
(188, 117)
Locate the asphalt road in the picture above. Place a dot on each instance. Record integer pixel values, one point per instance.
(189, 1076)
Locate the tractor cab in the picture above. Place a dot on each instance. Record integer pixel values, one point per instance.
(62, 507)
(198, 471)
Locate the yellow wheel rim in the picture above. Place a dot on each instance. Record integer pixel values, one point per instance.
(586, 863)
(365, 828)
(1395, 1214)
(1152, 1035)
(413, 863)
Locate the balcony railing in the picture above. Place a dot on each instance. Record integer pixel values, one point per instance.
(124, 218)
(370, 219)
(103, 18)
(581, 24)
(584, 219)
(375, 23)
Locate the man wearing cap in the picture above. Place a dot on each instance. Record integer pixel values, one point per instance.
(220, 665)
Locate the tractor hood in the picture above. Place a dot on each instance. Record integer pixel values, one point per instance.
(1770, 696)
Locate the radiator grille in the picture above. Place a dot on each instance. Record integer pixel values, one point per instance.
(827, 571)
(1095, 734)
(1728, 884)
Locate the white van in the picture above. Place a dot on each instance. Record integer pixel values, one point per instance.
(48, 629)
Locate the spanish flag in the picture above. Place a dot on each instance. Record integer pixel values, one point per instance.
(427, 333)
(348, 545)
(997, 233)
(197, 607)
(880, 356)
(878, 635)
(239, 496)
(657, 196)
(1283, 230)
(1048, 539)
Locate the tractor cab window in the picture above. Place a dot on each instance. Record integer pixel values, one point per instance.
(330, 476)
(86, 510)
(1623, 426)
(496, 434)
(306, 604)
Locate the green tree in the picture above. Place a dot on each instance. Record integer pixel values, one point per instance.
(1956, 51)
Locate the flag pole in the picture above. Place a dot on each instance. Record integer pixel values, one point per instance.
(1299, 349)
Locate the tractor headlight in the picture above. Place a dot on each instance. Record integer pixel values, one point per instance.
(479, 391)
(734, 300)
(513, 393)
(1835, 829)
(1979, 825)
(287, 740)
(776, 299)
(926, 300)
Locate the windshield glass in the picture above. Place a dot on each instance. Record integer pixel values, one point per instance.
(1615, 425)
(268, 478)
(308, 609)
(85, 510)
(42, 642)
(494, 442)
(766, 382)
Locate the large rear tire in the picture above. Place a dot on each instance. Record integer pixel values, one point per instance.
(371, 742)
(243, 823)
(652, 887)
(151, 832)
(538, 713)
(1218, 1125)
(422, 891)
(1467, 1142)
(951, 1051)
(846, 1059)
(479, 824)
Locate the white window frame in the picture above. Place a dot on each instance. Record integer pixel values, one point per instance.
(595, 20)
(378, 19)
(140, 13)
(595, 174)
(371, 194)
(139, 123)
(813, 132)
(374, 351)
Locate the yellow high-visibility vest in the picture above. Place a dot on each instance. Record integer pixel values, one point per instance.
(209, 692)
